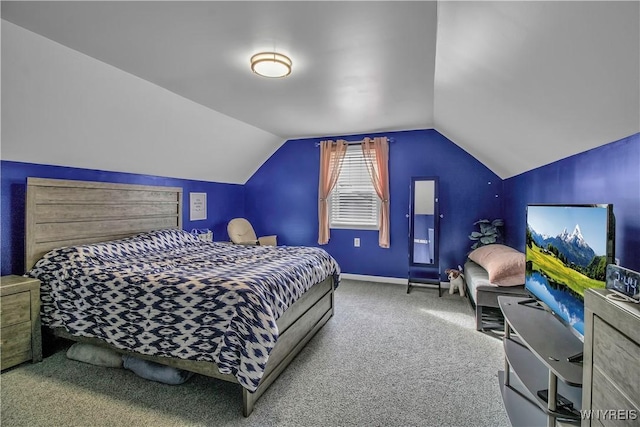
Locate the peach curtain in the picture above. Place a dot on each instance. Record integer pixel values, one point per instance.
(376, 156)
(331, 156)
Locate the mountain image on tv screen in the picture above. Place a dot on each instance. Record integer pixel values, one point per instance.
(567, 245)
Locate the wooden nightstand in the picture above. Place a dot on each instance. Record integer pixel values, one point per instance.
(20, 338)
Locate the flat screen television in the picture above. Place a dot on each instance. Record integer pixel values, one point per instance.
(568, 248)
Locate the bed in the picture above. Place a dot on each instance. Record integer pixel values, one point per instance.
(118, 271)
(491, 271)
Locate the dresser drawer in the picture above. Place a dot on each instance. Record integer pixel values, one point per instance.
(15, 309)
(616, 357)
(15, 344)
(607, 398)
(20, 338)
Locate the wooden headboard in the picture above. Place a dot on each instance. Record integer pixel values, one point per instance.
(65, 212)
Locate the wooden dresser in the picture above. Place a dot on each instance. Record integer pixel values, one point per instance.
(611, 383)
(20, 338)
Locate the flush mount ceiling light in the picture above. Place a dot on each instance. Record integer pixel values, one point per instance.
(271, 64)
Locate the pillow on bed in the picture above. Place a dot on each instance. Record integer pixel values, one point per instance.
(171, 237)
(505, 265)
(155, 371)
(94, 355)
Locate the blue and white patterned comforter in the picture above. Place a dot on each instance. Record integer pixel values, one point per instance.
(166, 293)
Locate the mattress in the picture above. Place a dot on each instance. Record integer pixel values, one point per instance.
(168, 293)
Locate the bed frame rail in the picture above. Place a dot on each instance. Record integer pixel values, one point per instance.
(298, 325)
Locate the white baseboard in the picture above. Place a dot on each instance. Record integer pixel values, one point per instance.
(382, 279)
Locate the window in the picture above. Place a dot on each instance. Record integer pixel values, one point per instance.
(353, 203)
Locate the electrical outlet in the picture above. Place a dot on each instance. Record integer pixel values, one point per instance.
(356, 242)
(617, 261)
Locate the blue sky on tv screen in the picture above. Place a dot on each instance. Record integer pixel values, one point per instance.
(552, 220)
(559, 300)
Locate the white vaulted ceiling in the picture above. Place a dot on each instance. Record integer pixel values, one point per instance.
(516, 84)
(522, 84)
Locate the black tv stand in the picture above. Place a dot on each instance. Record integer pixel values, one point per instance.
(531, 302)
(537, 349)
(562, 403)
(576, 358)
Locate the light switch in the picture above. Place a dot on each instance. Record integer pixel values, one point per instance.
(356, 242)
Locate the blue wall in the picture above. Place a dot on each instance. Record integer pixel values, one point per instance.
(607, 174)
(224, 202)
(282, 198)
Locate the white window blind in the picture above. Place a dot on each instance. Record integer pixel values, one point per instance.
(353, 201)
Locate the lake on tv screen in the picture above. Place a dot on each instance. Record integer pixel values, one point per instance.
(559, 300)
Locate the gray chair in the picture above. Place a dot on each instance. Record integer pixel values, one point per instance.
(241, 232)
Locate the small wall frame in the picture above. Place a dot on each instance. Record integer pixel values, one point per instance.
(197, 206)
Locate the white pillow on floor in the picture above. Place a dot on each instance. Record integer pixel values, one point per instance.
(94, 355)
(155, 371)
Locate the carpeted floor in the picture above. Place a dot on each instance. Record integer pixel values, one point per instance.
(386, 358)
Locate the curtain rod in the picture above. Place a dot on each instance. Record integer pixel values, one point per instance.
(390, 140)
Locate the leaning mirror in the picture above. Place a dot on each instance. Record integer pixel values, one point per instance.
(423, 233)
(423, 240)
